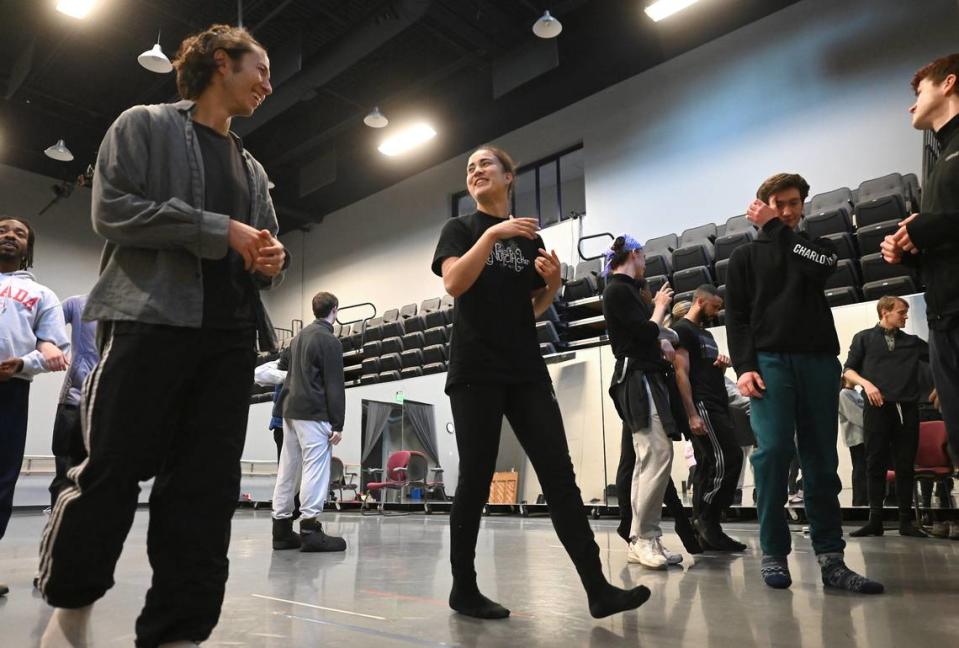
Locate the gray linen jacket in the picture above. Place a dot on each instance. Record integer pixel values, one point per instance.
(148, 194)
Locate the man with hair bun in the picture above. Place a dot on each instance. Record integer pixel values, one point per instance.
(190, 236)
(884, 360)
(929, 239)
(783, 344)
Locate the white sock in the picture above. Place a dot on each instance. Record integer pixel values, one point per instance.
(67, 628)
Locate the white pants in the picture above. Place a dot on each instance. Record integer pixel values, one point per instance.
(306, 451)
(654, 460)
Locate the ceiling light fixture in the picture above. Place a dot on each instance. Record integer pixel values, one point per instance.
(155, 60)
(407, 139)
(59, 152)
(376, 119)
(75, 8)
(665, 8)
(547, 26)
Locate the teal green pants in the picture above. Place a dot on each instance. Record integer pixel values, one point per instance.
(801, 402)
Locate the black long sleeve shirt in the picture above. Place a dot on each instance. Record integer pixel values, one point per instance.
(314, 389)
(894, 372)
(775, 299)
(936, 233)
(631, 333)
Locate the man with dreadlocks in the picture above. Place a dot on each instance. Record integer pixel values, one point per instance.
(33, 339)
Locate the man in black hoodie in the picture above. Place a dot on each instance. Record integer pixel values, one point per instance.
(783, 343)
(930, 238)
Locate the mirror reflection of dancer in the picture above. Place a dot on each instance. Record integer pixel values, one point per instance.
(783, 344)
(495, 267)
(641, 395)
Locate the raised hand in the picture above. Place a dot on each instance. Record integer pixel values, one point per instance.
(664, 296)
(547, 264)
(759, 213)
(513, 227)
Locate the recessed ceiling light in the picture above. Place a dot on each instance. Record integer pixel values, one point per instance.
(406, 139)
(547, 26)
(665, 8)
(75, 8)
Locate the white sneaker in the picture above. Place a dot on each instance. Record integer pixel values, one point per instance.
(671, 558)
(646, 553)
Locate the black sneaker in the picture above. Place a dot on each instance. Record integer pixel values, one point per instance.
(283, 535)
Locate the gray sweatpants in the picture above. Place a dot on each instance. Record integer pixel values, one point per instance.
(654, 461)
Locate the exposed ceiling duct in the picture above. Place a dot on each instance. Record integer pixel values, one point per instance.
(363, 41)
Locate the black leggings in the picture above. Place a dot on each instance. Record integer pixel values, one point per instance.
(534, 415)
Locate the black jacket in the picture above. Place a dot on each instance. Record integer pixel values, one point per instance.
(314, 388)
(631, 333)
(936, 233)
(775, 299)
(895, 373)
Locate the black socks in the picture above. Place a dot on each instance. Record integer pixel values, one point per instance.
(606, 599)
(467, 599)
(872, 528)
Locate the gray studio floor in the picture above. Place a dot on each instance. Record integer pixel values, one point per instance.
(390, 589)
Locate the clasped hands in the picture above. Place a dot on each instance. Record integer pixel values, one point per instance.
(261, 251)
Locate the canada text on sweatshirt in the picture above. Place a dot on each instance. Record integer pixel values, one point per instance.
(29, 312)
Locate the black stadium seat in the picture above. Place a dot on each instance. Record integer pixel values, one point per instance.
(725, 245)
(446, 302)
(846, 274)
(391, 315)
(546, 332)
(434, 367)
(695, 248)
(433, 304)
(386, 376)
(838, 198)
(391, 345)
(546, 348)
(390, 362)
(435, 318)
(882, 199)
(691, 278)
(843, 296)
(369, 378)
(435, 335)
(414, 323)
(844, 244)
(586, 281)
(434, 353)
(407, 311)
(393, 329)
(412, 358)
(659, 254)
(870, 237)
(411, 372)
(874, 268)
(683, 296)
(371, 366)
(897, 286)
(655, 282)
(414, 340)
(372, 349)
(721, 267)
(833, 221)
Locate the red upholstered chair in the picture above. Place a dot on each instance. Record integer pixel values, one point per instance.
(405, 469)
(932, 459)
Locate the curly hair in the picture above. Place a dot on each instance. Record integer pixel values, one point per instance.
(194, 61)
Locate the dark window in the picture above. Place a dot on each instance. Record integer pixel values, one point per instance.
(551, 189)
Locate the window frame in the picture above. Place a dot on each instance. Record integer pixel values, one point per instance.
(536, 165)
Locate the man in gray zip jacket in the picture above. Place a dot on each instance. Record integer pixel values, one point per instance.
(313, 399)
(190, 241)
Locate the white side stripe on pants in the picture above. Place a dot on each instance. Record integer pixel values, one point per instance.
(717, 452)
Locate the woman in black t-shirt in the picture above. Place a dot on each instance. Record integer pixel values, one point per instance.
(495, 267)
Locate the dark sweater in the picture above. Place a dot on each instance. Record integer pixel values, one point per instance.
(631, 333)
(895, 373)
(936, 233)
(775, 299)
(314, 388)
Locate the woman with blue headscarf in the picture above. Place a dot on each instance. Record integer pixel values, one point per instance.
(641, 394)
